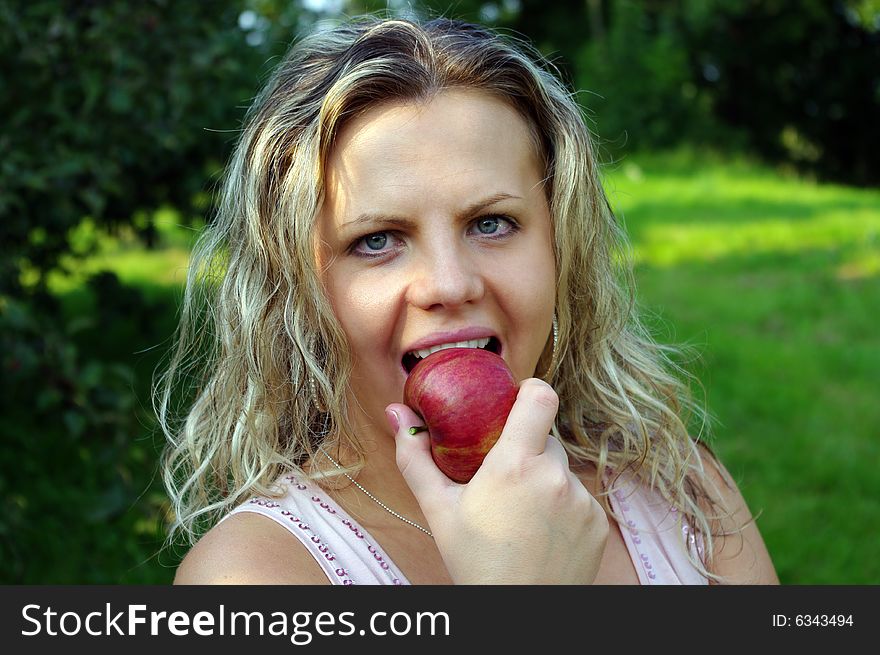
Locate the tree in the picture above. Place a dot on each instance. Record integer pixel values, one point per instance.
(800, 78)
(110, 109)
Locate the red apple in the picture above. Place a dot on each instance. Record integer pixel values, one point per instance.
(464, 396)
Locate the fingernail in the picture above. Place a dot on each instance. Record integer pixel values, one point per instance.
(393, 419)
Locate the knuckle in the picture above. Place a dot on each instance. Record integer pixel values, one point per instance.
(591, 508)
(519, 471)
(541, 393)
(559, 484)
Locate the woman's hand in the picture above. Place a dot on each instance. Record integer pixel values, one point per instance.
(524, 518)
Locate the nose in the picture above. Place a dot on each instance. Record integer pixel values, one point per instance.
(448, 276)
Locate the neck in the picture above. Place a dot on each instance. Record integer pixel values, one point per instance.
(379, 476)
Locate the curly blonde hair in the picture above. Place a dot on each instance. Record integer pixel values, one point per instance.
(259, 349)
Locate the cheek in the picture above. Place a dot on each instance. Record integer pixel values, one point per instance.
(528, 301)
(365, 311)
(531, 277)
(535, 307)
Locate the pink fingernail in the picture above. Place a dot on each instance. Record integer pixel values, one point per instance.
(393, 420)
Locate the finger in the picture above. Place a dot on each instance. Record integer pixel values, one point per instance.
(414, 459)
(531, 418)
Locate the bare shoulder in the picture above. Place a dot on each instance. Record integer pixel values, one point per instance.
(248, 548)
(740, 555)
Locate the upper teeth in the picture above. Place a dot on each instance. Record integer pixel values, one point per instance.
(473, 343)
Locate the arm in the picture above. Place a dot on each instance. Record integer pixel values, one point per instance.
(249, 549)
(741, 557)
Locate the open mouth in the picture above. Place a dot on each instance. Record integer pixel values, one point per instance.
(412, 358)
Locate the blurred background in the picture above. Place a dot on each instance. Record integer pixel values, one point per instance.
(740, 142)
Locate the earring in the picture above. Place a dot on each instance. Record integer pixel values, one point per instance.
(316, 399)
(553, 353)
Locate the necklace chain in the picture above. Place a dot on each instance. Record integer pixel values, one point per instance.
(373, 498)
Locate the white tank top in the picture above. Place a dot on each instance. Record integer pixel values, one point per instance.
(349, 555)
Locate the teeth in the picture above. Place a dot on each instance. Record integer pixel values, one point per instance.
(473, 343)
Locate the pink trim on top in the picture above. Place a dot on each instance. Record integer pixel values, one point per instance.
(657, 545)
(345, 551)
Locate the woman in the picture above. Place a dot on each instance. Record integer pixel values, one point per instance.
(400, 187)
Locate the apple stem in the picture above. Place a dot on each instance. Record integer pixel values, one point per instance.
(418, 428)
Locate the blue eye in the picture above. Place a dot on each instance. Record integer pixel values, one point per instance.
(377, 244)
(488, 225)
(376, 241)
(495, 226)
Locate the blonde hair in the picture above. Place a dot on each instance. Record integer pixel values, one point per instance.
(259, 346)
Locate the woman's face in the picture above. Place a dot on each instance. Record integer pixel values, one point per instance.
(436, 229)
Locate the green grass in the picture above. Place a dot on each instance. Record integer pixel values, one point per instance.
(775, 280)
(150, 269)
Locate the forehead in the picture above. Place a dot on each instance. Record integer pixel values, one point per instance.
(423, 156)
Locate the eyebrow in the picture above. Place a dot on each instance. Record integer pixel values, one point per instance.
(397, 221)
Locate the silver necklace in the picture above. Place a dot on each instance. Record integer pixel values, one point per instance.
(372, 497)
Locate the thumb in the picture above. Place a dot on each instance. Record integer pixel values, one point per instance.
(425, 480)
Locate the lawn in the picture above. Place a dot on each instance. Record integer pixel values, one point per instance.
(771, 278)
(776, 282)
